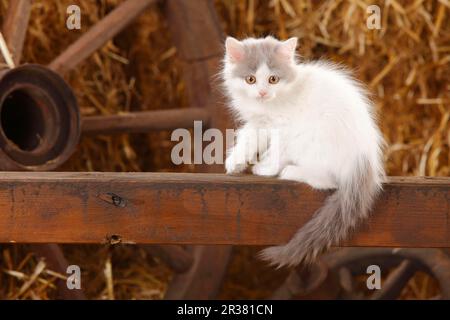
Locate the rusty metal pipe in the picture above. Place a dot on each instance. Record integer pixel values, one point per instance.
(39, 119)
(144, 121)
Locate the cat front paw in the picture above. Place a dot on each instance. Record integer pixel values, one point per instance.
(261, 169)
(290, 173)
(234, 167)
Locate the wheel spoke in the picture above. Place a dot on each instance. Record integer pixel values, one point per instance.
(203, 279)
(176, 257)
(145, 121)
(346, 280)
(99, 34)
(15, 27)
(54, 257)
(396, 281)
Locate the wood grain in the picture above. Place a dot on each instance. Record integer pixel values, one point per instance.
(166, 208)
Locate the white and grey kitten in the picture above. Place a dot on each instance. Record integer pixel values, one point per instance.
(328, 137)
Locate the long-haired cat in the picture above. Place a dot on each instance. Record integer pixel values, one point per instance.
(327, 137)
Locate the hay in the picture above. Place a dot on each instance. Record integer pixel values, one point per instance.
(406, 65)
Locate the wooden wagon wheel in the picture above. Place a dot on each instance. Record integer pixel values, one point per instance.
(199, 269)
(333, 277)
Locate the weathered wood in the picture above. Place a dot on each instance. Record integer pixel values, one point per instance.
(180, 208)
(99, 34)
(198, 37)
(144, 121)
(15, 27)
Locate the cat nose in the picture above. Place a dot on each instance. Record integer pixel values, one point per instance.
(262, 93)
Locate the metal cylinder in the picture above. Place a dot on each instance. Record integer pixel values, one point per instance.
(39, 119)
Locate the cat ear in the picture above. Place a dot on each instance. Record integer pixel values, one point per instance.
(234, 49)
(287, 48)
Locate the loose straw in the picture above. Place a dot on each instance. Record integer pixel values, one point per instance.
(5, 52)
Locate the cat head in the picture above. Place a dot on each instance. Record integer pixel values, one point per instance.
(259, 70)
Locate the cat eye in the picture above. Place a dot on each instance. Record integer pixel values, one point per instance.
(250, 79)
(274, 79)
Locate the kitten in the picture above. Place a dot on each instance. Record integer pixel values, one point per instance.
(327, 137)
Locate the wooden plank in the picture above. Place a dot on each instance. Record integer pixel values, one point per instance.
(144, 121)
(165, 208)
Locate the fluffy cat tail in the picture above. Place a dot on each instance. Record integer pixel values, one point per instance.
(333, 222)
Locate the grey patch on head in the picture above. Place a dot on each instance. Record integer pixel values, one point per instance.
(263, 51)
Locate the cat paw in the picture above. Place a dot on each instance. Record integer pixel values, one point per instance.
(290, 173)
(234, 167)
(264, 170)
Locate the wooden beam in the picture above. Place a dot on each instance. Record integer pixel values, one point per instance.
(167, 208)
